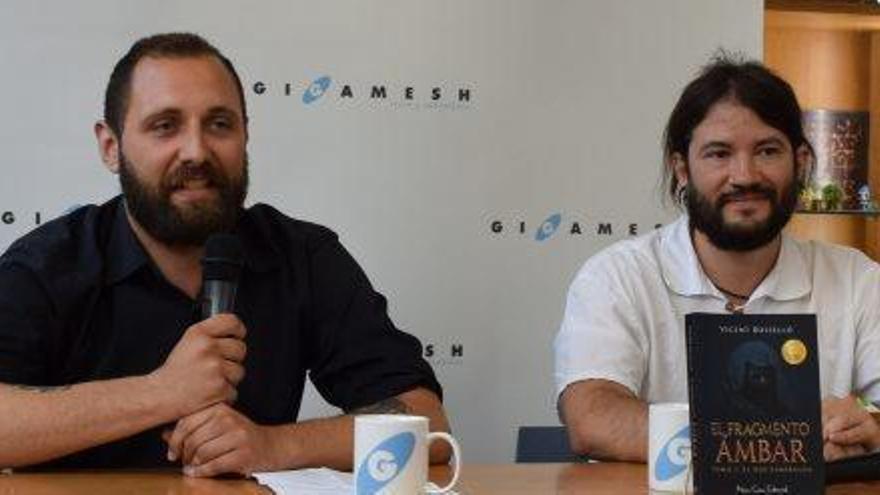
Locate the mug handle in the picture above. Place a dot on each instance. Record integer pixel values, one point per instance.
(456, 456)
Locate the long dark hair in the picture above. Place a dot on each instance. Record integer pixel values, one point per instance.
(747, 82)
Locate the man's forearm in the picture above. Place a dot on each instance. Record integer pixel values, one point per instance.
(330, 441)
(43, 423)
(605, 421)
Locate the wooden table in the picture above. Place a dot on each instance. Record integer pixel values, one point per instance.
(508, 479)
(581, 479)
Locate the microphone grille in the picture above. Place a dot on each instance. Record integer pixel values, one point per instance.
(223, 258)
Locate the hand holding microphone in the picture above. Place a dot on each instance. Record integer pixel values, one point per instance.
(210, 423)
(206, 364)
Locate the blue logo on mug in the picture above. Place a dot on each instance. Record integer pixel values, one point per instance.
(548, 228)
(316, 90)
(384, 463)
(673, 457)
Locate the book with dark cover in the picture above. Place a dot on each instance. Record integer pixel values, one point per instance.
(756, 423)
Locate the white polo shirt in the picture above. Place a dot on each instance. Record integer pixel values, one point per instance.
(624, 316)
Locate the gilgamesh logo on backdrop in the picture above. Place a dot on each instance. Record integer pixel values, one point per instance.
(316, 90)
(325, 90)
(559, 224)
(11, 217)
(28, 218)
(444, 354)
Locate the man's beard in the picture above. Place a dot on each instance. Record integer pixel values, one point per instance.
(708, 218)
(190, 226)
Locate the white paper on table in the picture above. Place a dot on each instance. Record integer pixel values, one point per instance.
(318, 481)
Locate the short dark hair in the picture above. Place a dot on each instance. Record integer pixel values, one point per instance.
(747, 82)
(174, 45)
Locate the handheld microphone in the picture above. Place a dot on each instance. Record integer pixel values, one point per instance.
(221, 267)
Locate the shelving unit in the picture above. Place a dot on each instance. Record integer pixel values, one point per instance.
(830, 53)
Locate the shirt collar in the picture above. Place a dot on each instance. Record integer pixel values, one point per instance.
(125, 255)
(684, 275)
(790, 278)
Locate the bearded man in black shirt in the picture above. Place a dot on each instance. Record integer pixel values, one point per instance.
(103, 359)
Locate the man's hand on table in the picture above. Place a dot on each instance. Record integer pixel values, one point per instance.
(847, 429)
(202, 372)
(221, 440)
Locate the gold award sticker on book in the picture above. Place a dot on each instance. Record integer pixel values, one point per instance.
(794, 352)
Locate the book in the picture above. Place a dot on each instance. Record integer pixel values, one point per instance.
(755, 406)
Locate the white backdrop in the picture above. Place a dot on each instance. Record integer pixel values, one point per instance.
(565, 108)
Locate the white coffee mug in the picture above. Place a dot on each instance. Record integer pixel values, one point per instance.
(391, 455)
(669, 448)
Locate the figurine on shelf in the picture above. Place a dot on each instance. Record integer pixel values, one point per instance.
(865, 201)
(810, 199)
(832, 197)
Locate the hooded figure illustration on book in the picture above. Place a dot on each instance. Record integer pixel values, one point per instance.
(753, 382)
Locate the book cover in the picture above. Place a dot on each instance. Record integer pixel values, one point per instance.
(755, 408)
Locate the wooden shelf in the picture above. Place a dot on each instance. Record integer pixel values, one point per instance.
(779, 19)
(864, 7)
(859, 213)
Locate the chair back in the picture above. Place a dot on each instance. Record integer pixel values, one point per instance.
(544, 444)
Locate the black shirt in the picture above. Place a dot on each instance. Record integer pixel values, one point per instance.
(80, 300)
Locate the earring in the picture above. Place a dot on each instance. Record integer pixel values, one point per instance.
(682, 195)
